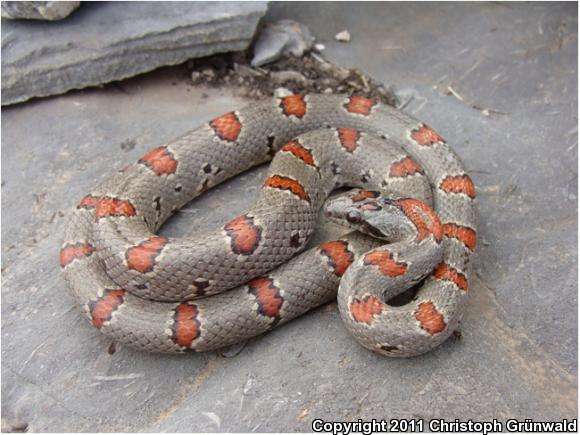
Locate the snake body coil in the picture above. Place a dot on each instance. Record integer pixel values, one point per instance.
(152, 293)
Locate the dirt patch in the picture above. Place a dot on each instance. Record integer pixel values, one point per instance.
(308, 74)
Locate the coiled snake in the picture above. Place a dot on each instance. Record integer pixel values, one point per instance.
(153, 293)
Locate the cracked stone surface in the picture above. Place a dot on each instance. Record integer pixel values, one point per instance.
(497, 80)
(107, 41)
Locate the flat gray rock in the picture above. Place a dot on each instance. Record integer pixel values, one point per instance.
(50, 11)
(110, 41)
(280, 38)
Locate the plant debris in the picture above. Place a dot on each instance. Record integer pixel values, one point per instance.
(308, 74)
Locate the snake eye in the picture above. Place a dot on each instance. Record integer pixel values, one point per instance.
(353, 217)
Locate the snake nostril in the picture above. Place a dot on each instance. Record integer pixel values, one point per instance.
(353, 217)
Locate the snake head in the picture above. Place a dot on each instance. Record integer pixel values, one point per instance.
(353, 207)
(368, 212)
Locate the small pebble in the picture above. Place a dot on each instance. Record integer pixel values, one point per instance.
(287, 76)
(319, 47)
(343, 36)
(341, 73)
(243, 91)
(282, 92)
(246, 71)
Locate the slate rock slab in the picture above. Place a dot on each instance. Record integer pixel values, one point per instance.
(50, 11)
(104, 42)
(282, 37)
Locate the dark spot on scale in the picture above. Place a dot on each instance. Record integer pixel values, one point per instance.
(334, 168)
(271, 140)
(218, 170)
(200, 286)
(295, 240)
(206, 168)
(145, 220)
(112, 348)
(389, 348)
(327, 125)
(141, 286)
(178, 188)
(157, 203)
(365, 177)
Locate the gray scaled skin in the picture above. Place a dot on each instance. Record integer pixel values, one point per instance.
(214, 289)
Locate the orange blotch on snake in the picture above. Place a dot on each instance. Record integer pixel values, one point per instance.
(425, 135)
(339, 257)
(385, 262)
(348, 138)
(88, 201)
(360, 105)
(464, 234)
(361, 195)
(364, 311)
(143, 257)
(69, 253)
(102, 309)
(289, 184)
(160, 160)
(404, 167)
(423, 217)
(429, 318)
(458, 184)
(445, 272)
(227, 127)
(245, 236)
(106, 206)
(186, 325)
(293, 105)
(300, 152)
(267, 296)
